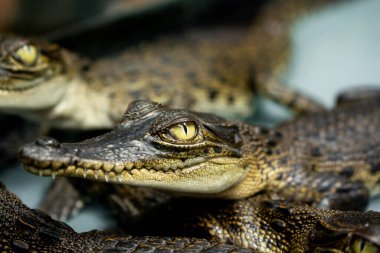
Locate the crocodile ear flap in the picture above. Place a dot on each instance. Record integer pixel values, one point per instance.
(228, 134)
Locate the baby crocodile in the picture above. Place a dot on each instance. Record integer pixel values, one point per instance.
(327, 159)
(278, 224)
(207, 70)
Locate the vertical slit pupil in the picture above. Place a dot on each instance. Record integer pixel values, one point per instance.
(362, 244)
(184, 128)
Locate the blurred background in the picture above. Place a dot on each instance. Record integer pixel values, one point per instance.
(332, 49)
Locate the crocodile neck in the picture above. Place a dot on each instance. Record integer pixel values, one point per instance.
(257, 153)
(70, 112)
(63, 105)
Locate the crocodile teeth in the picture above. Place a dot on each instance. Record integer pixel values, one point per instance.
(96, 166)
(112, 175)
(70, 169)
(99, 174)
(53, 175)
(79, 171)
(193, 161)
(129, 165)
(84, 173)
(106, 177)
(43, 164)
(90, 173)
(107, 167)
(118, 168)
(139, 164)
(56, 165)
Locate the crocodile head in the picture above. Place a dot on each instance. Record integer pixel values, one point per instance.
(168, 149)
(31, 73)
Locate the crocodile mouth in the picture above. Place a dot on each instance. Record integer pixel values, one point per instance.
(193, 177)
(18, 81)
(106, 171)
(19, 85)
(189, 176)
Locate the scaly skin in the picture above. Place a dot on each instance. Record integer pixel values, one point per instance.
(327, 159)
(29, 230)
(279, 226)
(206, 70)
(272, 226)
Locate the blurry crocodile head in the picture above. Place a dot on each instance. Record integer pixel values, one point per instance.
(32, 73)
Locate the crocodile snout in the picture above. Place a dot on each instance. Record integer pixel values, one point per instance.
(42, 152)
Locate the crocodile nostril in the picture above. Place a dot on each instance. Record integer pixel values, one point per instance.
(47, 141)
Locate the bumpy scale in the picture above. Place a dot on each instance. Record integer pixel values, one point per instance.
(269, 226)
(30, 230)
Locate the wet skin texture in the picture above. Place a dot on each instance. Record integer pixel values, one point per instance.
(272, 226)
(30, 230)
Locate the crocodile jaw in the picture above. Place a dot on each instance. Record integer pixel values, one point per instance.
(204, 179)
(38, 97)
(193, 176)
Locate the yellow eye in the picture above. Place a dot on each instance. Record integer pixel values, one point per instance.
(27, 54)
(362, 246)
(184, 131)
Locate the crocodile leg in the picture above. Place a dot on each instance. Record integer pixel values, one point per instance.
(63, 199)
(128, 204)
(132, 202)
(331, 191)
(289, 97)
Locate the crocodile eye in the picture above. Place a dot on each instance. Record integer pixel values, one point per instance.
(362, 246)
(183, 131)
(27, 54)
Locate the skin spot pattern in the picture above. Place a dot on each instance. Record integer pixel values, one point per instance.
(271, 143)
(347, 172)
(231, 100)
(20, 245)
(213, 94)
(217, 150)
(278, 225)
(316, 152)
(284, 211)
(375, 168)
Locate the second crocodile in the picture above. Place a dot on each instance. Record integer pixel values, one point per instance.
(209, 70)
